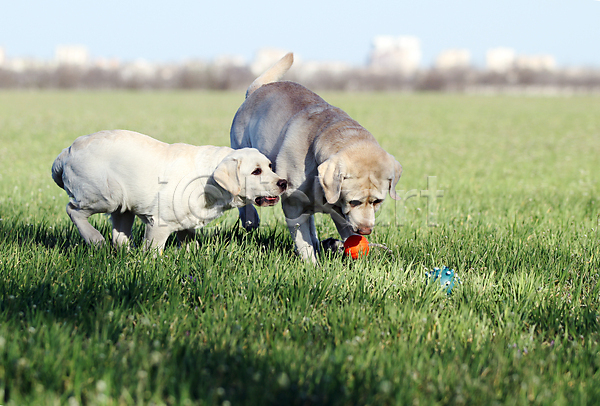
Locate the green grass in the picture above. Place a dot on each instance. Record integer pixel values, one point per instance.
(241, 320)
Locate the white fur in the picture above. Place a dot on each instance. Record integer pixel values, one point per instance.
(170, 187)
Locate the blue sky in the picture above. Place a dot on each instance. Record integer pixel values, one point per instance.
(313, 29)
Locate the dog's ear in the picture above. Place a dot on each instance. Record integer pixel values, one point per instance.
(227, 175)
(394, 179)
(330, 177)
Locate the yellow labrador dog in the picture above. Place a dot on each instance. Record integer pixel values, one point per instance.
(170, 187)
(332, 164)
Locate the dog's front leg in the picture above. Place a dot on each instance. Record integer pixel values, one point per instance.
(301, 234)
(342, 225)
(155, 237)
(249, 217)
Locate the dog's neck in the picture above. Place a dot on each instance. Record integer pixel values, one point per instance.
(340, 136)
(359, 147)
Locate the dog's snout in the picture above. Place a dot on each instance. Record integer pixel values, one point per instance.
(365, 230)
(282, 184)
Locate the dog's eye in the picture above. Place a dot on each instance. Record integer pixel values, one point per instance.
(354, 203)
(257, 171)
(271, 166)
(377, 201)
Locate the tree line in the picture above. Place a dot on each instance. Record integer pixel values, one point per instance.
(210, 77)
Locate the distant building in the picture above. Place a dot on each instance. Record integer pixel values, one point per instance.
(74, 55)
(265, 58)
(24, 64)
(453, 59)
(536, 63)
(500, 59)
(2, 57)
(395, 54)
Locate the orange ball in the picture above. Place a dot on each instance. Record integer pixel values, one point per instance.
(356, 246)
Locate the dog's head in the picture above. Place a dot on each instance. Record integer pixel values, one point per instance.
(247, 174)
(357, 180)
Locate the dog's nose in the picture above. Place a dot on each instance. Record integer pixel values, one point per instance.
(282, 183)
(365, 230)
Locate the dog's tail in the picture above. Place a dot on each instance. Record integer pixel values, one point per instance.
(57, 168)
(273, 74)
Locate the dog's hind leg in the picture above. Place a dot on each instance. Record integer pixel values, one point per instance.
(122, 225)
(79, 217)
(249, 217)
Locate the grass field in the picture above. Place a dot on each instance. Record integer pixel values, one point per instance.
(243, 321)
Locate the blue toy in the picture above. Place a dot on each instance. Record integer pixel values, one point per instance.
(445, 276)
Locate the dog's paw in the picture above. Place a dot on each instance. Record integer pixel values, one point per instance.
(250, 225)
(333, 246)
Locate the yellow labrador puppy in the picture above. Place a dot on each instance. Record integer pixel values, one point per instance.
(170, 187)
(332, 164)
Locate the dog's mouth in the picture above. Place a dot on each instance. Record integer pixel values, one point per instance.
(364, 230)
(266, 200)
